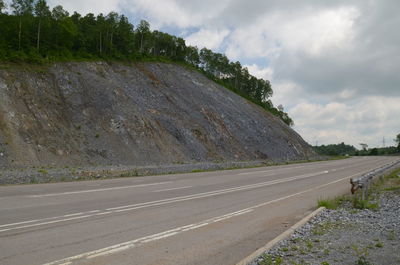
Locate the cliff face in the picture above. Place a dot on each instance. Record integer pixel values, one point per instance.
(143, 114)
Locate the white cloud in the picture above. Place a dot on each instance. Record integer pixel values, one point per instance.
(266, 73)
(178, 13)
(332, 64)
(212, 39)
(87, 6)
(366, 121)
(308, 31)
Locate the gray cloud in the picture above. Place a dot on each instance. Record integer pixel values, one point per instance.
(333, 64)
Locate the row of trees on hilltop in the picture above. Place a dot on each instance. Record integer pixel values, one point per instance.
(345, 149)
(34, 33)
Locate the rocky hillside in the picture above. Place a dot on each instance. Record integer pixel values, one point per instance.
(142, 114)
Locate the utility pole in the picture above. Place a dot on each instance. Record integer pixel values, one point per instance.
(383, 142)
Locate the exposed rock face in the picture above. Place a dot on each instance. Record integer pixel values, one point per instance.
(143, 114)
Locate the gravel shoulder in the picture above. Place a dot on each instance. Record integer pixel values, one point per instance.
(347, 235)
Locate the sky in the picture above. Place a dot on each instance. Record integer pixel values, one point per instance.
(334, 65)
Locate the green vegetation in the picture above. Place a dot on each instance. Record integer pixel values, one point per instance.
(343, 149)
(390, 182)
(332, 204)
(35, 34)
(43, 171)
(397, 140)
(364, 204)
(335, 149)
(362, 255)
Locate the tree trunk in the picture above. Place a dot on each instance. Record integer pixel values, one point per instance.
(141, 44)
(38, 36)
(101, 48)
(19, 33)
(111, 41)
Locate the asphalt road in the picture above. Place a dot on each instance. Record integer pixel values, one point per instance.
(200, 218)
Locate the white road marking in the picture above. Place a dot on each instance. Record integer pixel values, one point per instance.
(25, 222)
(140, 241)
(73, 214)
(46, 223)
(180, 188)
(269, 170)
(158, 202)
(211, 193)
(96, 190)
(165, 201)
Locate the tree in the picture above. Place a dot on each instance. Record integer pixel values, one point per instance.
(364, 146)
(58, 13)
(373, 152)
(112, 21)
(143, 29)
(20, 9)
(397, 140)
(2, 6)
(41, 11)
(192, 56)
(124, 37)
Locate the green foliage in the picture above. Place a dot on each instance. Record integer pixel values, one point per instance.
(332, 204)
(397, 140)
(335, 149)
(364, 204)
(327, 204)
(2, 6)
(344, 149)
(35, 34)
(362, 256)
(43, 171)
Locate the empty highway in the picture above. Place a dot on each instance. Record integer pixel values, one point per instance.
(200, 218)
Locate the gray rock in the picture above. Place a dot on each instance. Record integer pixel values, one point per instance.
(99, 114)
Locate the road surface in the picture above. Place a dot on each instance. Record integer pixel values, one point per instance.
(200, 218)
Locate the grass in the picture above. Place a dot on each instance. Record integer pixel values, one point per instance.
(394, 175)
(364, 204)
(391, 235)
(323, 228)
(333, 203)
(379, 245)
(43, 171)
(389, 182)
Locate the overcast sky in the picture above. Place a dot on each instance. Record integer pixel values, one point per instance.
(334, 65)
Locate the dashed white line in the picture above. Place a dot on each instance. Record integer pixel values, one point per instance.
(137, 242)
(140, 241)
(269, 170)
(179, 188)
(46, 223)
(96, 190)
(132, 207)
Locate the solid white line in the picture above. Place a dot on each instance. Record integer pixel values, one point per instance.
(137, 242)
(270, 170)
(140, 241)
(25, 222)
(73, 214)
(180, 188)
(96, 190)
(163, 202)
(45, 223)
(216, 192)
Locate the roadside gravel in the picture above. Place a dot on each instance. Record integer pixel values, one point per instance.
(344, 236)
(53, 174)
